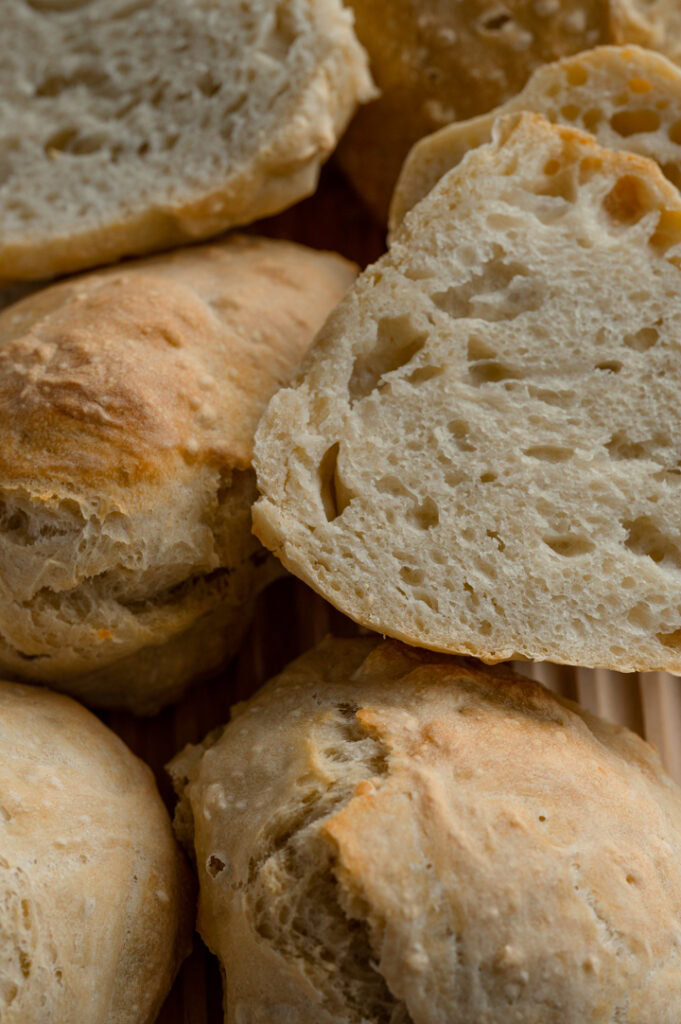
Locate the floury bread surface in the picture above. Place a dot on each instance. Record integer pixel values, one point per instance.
(387, 836)
(128, 403)
(627, 97)
(128, 127)
(97, 902)
(483, 455)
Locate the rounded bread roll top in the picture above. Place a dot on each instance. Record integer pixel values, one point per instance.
(96, 897)
(129, 127)
(388, 836)
(128, 403)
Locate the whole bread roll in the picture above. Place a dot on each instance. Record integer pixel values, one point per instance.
(128, 404)
(96, 897)
(482, 453)
(436, 61)
(133, 126)
(386, 836)
(629, 98)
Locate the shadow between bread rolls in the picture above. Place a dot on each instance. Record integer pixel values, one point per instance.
(128, 402)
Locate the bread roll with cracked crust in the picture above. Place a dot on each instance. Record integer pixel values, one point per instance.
(387, 836)
(627, 97)
(96, 897)
(436, 61)
(128, 403)
(483, 453)
(134, 126)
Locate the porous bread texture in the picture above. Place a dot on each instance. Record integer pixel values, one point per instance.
(627, 97)
(96, 900)
(436, 62)
(483, 455)
(387, 836)
(133, 126)
(128, 403)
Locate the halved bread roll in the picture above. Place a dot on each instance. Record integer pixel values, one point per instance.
(483, 454)
(97, 900)
(128, 403)
(438, 61)
(385, 836)
(133, 126)
(627, 97)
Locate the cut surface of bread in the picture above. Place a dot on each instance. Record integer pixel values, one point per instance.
(387, 836)
(483, 454)
(129, 398)
(436, 61)
(627, 97)
(96, 898)
(133, 126)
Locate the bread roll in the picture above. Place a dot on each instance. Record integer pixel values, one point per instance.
(482, 455)
(133, 126)
(96, 898)
(385, 836)
(627, 97)
(128, 403)
(436, 61)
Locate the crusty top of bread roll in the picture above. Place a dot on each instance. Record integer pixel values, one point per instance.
(95, 895)
(483, 453)
(436, 61)
(132, 126)
(128, 402)
(629, 98)
(386, 836)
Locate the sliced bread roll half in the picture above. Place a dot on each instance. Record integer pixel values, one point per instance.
(129, 127)
(484, 452)
(438, 61)
(128, 403)
(629, 98)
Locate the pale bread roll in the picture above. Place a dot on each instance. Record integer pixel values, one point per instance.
(133, 126)
(438, 61)
(386, 836)
(483, 455)
(97, 901)
(128, 403)
(627, 97)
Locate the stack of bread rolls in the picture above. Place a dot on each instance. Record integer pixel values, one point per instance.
(464, 453)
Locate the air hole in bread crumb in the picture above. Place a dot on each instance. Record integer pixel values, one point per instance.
(411, 576)
(493, 535)
(570, 111)
(477, 350)
(628, 200)
(611, 365)
(333, 500)
(392, 485)
(459, 431)
(671, 640)
(424, 373)
(485, 627)
(634, 122)
(569, 545)
(488, 477)
(621, 447)
(562, 399)
(397, 342)
(576, 74)
(640, 616)
(591, 119)
(69, 140)
(642, 339)
(491, 373)
(644, 537)
(667, 232)
(425, 515)
(549, 453)
(675, 133)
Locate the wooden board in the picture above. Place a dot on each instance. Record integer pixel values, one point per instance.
(289, 618)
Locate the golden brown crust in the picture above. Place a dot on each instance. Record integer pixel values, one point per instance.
(97, 899)
(384, 834)
(128, 402)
